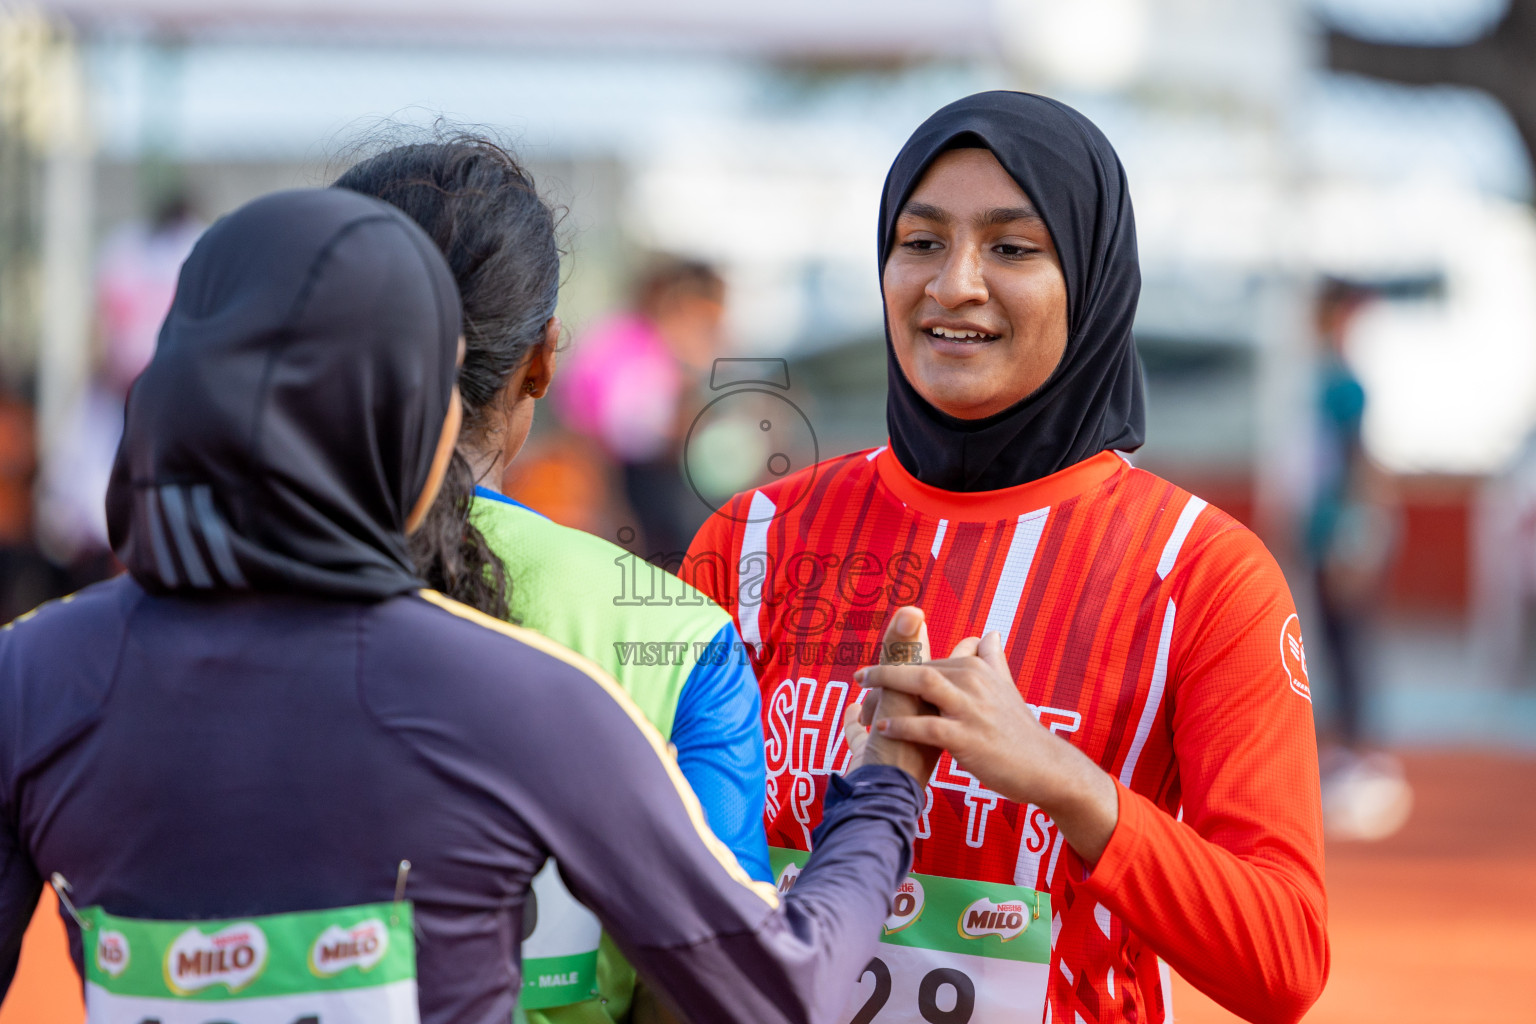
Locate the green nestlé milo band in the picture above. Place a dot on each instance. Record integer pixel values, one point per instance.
(954, 915)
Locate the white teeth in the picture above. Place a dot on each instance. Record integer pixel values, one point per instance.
(949, 335)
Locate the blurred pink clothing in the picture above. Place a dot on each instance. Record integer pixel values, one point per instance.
(135, 283)
(622, 387)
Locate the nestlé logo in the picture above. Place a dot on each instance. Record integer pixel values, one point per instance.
(907, 907)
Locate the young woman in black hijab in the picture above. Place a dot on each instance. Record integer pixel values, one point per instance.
(1146, 792)
(275, 779)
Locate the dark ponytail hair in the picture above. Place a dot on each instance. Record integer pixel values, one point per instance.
(484, 212)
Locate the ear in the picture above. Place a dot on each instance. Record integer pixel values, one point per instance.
(541, 361)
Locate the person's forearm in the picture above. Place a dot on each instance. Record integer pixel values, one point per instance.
(1080, 798)
(714, 944)
(1245, 930)
(800, 964)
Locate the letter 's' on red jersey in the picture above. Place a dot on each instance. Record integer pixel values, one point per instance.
(1151, 630)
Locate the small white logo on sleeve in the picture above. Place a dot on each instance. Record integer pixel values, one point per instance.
(112, 952)
(1293, 657)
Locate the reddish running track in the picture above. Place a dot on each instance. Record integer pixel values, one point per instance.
(1437, 923)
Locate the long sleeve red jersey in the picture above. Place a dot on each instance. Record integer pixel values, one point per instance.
(1151, 630)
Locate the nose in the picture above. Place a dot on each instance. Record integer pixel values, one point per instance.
(960, 281)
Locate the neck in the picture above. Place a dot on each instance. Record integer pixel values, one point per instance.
(487, 467)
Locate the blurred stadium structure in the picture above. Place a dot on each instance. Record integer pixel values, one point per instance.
(1266, 147)
(756, 136)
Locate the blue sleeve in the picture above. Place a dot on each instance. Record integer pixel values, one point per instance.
(718, 733)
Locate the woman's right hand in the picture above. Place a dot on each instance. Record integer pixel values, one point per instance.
(905, 643)
(975, 711)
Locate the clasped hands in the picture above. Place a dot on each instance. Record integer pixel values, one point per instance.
(968, 704)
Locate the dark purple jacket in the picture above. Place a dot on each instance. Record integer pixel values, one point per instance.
(219, 757)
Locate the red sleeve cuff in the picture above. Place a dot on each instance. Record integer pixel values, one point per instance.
(1125, 845)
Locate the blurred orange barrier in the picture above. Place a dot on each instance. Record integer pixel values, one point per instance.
(46, 989)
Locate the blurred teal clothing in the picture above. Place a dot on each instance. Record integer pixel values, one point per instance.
(1341, 416)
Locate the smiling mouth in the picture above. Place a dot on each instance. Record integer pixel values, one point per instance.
(959, 337)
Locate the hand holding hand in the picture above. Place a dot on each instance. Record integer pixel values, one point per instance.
(906, 642)
(986, 726)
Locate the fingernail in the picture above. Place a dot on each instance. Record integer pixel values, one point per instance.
(908, 620)
(858, 675)
(884, 725)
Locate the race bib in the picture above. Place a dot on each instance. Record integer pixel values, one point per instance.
(351, 965)
(559, 946)
(953, 951)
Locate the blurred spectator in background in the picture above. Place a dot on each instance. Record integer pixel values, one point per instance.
(1504, 613)
(628, 385)
(135, 283)
(1351, 532)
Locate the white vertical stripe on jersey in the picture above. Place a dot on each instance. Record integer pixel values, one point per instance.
(1154, 696)
(754, 542)
(1192, 510)
(1026, 868)
(1050, 869)
(938, 537)
(1010, 582)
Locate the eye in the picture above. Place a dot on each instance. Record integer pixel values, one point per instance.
(920, 245)
(1008, 250)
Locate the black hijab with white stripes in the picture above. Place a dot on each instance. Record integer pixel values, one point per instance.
(1093, 400)
(287, 423)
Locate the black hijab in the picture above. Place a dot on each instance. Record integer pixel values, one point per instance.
(287, 423)
(1093, 400)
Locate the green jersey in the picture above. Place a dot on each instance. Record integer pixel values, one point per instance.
(678, 656)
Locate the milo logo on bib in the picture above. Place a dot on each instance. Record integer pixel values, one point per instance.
(953, 951)
(1005, 920)
(112, 952)
(907, 906)
(308, 967)
(233, 956)
(362, 946)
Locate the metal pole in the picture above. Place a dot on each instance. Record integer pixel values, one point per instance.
(65, 331)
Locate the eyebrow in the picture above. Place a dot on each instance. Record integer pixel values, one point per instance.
(992, 218)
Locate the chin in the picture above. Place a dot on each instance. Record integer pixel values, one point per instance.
(962, 405)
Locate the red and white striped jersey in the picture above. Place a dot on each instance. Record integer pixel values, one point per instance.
(1146, 627)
